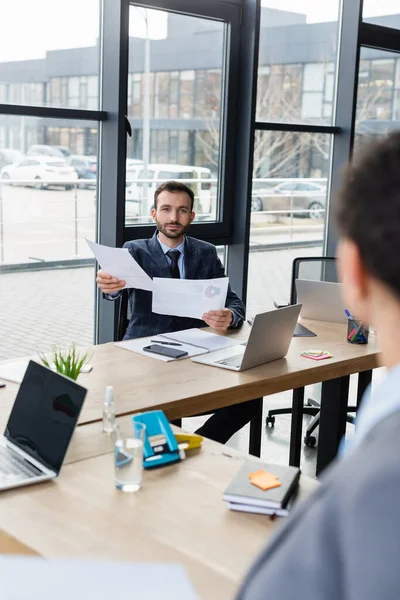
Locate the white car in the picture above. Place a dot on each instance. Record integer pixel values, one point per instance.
(40, 172)
(138, 204)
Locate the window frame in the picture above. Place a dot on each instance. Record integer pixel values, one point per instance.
(221, 230)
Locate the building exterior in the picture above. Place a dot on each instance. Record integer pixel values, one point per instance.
(296, 81)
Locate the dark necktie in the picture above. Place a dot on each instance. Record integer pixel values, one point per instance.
(174, 255)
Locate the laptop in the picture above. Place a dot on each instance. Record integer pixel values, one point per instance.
(321, 300)
(269, 340)
(40, 427)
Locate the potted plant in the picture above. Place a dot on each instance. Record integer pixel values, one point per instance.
(68, 362)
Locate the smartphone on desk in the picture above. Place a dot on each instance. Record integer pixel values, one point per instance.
(165, 351)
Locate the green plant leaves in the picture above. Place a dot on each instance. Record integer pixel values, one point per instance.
(67, 362)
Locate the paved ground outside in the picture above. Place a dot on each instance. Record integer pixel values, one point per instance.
(51, 224)
(42, 308)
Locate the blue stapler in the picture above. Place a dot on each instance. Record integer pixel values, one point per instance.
(157, 425)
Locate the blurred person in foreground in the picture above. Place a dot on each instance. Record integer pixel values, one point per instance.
(343, 543)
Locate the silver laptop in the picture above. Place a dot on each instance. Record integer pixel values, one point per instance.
(40, 427)
(269, 340)
(321, 300)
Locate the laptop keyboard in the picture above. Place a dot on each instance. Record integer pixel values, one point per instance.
(231, 361)
(14, 468)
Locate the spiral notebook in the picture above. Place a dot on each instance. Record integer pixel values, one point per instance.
(193, 341)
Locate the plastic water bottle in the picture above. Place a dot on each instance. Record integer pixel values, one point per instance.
(108, 411)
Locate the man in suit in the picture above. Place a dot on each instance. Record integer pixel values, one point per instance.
(171, 253)
(344, 542)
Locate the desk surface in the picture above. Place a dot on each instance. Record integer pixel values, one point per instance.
(178, 515)
(185, 388)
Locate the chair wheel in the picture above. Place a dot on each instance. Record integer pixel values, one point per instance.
(310, 441)
(270, 421)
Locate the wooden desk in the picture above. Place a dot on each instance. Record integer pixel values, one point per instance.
(185, 388)
(9, 545)
(178, 515)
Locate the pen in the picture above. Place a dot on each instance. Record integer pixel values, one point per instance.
(165, 343)
(348, 313)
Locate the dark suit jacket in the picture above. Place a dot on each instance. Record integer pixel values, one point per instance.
(201, 262)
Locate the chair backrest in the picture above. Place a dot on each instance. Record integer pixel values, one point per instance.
(123, 315)
(315, 268)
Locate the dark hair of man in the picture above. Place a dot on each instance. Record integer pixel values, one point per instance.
(368, 208)
(173, 187)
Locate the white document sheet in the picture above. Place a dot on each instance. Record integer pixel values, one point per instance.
(188, 297)
(192, 341)
(38, 579)
(118, 262)
(199, 338)
(13, 371)
(138, 344)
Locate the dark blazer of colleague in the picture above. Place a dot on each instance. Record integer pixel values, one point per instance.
(173, 214)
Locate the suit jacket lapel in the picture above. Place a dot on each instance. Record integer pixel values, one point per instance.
(158, 256)
(191, 258)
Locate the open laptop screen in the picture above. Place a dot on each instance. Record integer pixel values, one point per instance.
(44, 415)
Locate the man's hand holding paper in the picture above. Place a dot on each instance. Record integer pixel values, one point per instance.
(218, 319)
(118, 264)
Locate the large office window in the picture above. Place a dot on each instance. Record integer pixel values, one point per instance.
(297, 57)
(47, 209)
(32, 53)
(296, 89)
(378, 94)
(175, 109)
(289, 199)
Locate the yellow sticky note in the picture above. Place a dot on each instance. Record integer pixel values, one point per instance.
(264, 480)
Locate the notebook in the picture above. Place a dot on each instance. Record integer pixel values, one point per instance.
(193, 341)
(240, 492)
(260, 510)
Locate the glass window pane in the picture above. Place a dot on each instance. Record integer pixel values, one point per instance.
(297, 55)
(378, 108)
(289, 202)
(52, 40)
(46, 214)
(384, 12)
(174, 107)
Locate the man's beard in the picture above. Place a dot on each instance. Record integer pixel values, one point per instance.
(172, 234)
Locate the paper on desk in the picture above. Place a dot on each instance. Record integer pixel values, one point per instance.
(138, 344)
(38, 579)
(193, 341)
(14, 371)
(118, 262)
(188, 297)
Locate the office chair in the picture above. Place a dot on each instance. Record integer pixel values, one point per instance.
(123, 315)
(316, 269)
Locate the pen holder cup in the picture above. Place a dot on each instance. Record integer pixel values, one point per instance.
(357, 332)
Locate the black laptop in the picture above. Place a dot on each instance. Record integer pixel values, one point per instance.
(40, 427)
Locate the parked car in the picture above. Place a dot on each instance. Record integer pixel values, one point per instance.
(157, 173)
(64, 150)
(86, 167)
(42, 171)
(44, 150)
(9, 156)
(292, 195)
